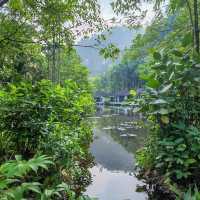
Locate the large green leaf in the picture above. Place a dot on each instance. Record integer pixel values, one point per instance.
(177, 53)
(153, 83)
(166, 88)
(158, 101)
(16, 4)
(162, 111)
(157, 56)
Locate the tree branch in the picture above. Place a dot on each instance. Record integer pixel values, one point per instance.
(87, 46)
(196, 26)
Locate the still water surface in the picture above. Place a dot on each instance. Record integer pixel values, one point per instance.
(116, 139)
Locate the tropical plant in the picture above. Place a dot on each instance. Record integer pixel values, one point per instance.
(49, 119)
(170, 100)
(30, 112)
(16, 184)
(190, 194)
(35, 53)
(173, 104)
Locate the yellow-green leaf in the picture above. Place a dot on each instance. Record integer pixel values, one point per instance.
(165, 119)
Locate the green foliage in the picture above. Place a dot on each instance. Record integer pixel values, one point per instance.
(170, 102)
(29, 113)
(174, 106)
(127, 8)
(179, 153)
(146, 156)
(192, 193)
(37, 116)
(49, 119)
(33, 36)
(119, 78)
(133, 67)
(111, 51)
(19, 167)
(71, 68)
(133, 93)
(12, 173)
(16, 184)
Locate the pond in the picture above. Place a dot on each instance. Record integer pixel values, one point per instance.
(116, 139)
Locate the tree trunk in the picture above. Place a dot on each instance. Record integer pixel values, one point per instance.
(59, 59)
(48, 62)
(54, 59)
(191, 21)
(196, 26)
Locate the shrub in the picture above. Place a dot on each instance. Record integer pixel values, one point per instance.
(146, 155)
(171, 101)
(30, 113)
(179, 153)
(15, 183)
(192, 193)
(48, 119)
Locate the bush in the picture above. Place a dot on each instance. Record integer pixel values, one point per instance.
(146, 155)
(191, 195)
(48, 119)
(179, 153)
(171, 101)
(16, 184)
(30, 113)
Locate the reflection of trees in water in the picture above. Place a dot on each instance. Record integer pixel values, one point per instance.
(113, 122)
(131, 144)
(110, 154)
(110, 149)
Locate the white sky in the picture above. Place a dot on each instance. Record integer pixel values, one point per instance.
(106, 9)
(107, 12)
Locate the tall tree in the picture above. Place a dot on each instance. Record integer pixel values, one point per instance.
(28, 26)
(129, 7)
(196, 26)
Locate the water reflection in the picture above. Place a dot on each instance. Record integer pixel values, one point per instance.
(116, 139)
(110, 154)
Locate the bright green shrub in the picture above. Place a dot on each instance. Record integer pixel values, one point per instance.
(29, 113)
(146, 155)
(16, 184)
(52, 120)
(69, 148)
(179, 153)
(171, 101)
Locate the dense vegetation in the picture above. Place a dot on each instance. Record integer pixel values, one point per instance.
(45, 96)
(48, 119)
(166, 58)
(44, 100)
(121, 77)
